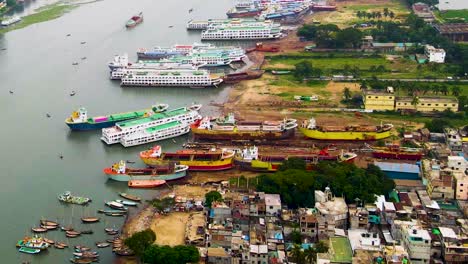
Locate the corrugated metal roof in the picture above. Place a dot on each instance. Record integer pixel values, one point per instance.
(398, 167)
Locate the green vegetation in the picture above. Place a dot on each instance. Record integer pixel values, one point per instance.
(429, 2)
(46, 13)
(163, 204)
(140, 241)
(309, 255)
(452, 16)
(386, 13)
(211, 197)
(330, 36)
(437, 125)
(297, 186)
(304, 70)
(142, 244)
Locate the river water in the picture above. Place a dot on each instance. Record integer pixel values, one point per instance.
(37, 67)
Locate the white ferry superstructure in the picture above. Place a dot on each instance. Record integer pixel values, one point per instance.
(113, 134)
(166, 78)
(240, 31)
(203, 24)
(118, 73)
(155, 133)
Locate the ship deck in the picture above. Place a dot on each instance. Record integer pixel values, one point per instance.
(156, 116)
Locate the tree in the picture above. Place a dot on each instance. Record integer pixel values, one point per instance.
(321, 247)
(293, 164)
(307, 31)
(163, 204)
(456, 91)
(171, 255)
(435, 89)
(437, 125)
(391, 14)
(140, 241)
(310, 255)
(415, 102)
(444, 89)
(296, 237)
(304, 69)
(326, 35)
(297, 255)
(347, 94)
(385, 12)
(211, 197)
(349, 38)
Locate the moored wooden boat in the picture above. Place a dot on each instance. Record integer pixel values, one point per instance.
(29, 250)
(39, 229)
(50, 241)
(145, 183)
(87, 232)
(115, 214)
(81, 261)
(127, 203)
(48, 223)
(102, 211)
(130, 197)
(48, 227)
(90, 219)
(102, 244)
(59, 246)
(116, 205)
(120, 172)
(66, 228)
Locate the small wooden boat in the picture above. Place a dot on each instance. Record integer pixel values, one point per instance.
(145, 183)
(116, 205)
(50, 241)
(111, 211)
(115, 214)
(72, 233)
(59, 246)
(71, 236)
(62, 244)
(110, 240)
(195, 107)
(87, 232)
(124, 252)
(39, 229)
(29, 250)
(130, 197)
(134, 20)
(80, 248)
(81, 261)
(112, 233)
(110, 229)
(48, 227)
(48, 223)
(127, 203)
(90, 219)
(86, 254)
(102, 244)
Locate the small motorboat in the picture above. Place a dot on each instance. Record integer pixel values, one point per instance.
(72, 93)
(112, 233)
(115, 214)
(130, 197)
(159, 108)
(49, 227)
(190, 10)
(75, 63)
(102, 244)
(82, 248)
(171, 26)
(83, 58)
(87, 232)
(134, 20)
(89, 220)
(86, 254)
(145, 183)
(29, 250)
(49, 223)
(111, 211)
(81, 261)
(116, 205)
(127, 203)
(68, 35)
(59, 246)
(71, 236)
(195, 107)
(39, 229)
(50, 241)
(83, 42)
(129, 161)
(110, 240)
(110, 229)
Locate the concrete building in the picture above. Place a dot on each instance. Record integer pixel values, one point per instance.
(379, 101)
(218, 256)
(395, 254)
(332, 213)
(454, 247)
(308, 223)
(434, 55)
(461, 186)
(273, 204)
(439, 183)
(454, 31)
(417, 242)
(453, 139)
(362, 239)
(426, 104)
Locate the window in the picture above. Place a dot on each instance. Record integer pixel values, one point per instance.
(390, 97)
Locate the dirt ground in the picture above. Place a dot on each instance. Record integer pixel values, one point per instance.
(170, 229)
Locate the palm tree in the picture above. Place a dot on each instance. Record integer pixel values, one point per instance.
(347, 94)
(359, 14)
(456, 91)
(385, 12)
(310, 255)
(297, 255)
(415, 102)
(435, 89)
(444, 89)
(391, 14)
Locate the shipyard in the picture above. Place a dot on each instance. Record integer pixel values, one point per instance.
(235, 132)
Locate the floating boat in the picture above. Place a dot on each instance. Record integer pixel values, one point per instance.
(86, 254)
(156, 133)
(116, 205)
(115, 134)
(87, 232)
(48, 227)
(171, 78)
(61, 244)
(48, 223)
(196, 160)
(68, 198)
(280, 72)
(50, 241)
(66, 228)
(130, 197)
(29, 250)
(250, 159)
(228, 128)
(102, 244)
(10, 21)
(134, 20)
(119, 61)
(241, 76)
(350, 132)
(124, 252)
(110, 229)
(260, 30)
(120, 172)
(81, 261)
(127, 203)
(79, 119)
(117, 211)
(34, 242)
(73, 233)
(243, 12)
(39, 229)
(90, 219)
(115, 214)
(397, 152)
(145, 183)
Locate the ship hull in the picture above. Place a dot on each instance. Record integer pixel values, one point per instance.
(240, 135)
(243, 14)
(166, 177)
(196, 165)
(88, 126)
(391, 155)
(344, 135)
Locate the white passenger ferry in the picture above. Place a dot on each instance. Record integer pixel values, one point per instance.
(179, 78)
(240, 31)
(202, 58)
(118, 73)
(113, 134)
(155, 133)
(203, 24)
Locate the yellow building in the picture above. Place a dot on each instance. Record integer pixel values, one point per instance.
(379, 101)
(426, 104)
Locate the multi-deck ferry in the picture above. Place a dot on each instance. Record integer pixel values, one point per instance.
(264, 30)
(118, 73)
(113, 134)
(155, 133)
(165, 78)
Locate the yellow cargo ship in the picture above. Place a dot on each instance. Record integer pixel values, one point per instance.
(352, 132)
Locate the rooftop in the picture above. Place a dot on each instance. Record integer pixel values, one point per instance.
(418, 232)
(341, 250)
(427, 99)
(163, 126)
(455, 28)
(447, 232)
(272, 200)
(156, 116)
(398, 167)
(217, 252)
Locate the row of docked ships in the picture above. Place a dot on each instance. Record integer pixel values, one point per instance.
(158, 123)
(179, 65)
